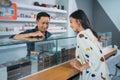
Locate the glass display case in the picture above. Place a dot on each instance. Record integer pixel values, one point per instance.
(47, 53)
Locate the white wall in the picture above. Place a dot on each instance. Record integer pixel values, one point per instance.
(111, 7)
(72, 6)
(87, 6)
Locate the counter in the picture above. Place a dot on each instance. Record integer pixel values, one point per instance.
(64, 71)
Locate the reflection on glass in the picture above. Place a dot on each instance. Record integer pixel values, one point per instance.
(107, 35)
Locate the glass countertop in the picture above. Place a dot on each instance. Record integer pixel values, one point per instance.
(9, 41)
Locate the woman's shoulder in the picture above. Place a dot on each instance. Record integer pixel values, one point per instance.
(86, 32)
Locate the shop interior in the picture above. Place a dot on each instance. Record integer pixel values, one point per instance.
(54, 53)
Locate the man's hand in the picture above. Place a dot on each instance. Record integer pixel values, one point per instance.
(38, 33)
(34, 36)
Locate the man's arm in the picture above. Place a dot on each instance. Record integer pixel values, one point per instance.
(34, 36)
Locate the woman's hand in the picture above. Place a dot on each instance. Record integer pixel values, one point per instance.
(101, 38)
(76, 64)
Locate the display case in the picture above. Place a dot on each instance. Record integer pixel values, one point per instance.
(48, 53)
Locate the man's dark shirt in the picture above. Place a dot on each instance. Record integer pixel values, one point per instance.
(31, 45)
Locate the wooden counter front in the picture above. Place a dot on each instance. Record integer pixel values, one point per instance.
(108, 52)
(64, 71)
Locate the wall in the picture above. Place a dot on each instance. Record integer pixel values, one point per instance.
(87, 6)
(102, 23)
(72, 6)
(112, 10)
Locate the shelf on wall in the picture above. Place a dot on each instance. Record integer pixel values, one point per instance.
(59, 20)
(31, 7)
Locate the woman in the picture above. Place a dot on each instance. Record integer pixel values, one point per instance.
(89, 58)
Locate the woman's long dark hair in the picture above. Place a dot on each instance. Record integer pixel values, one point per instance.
(82, 17)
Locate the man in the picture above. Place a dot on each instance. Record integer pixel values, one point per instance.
(38, 33)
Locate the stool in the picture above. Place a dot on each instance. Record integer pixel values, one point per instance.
(115, 78)
(117, 68)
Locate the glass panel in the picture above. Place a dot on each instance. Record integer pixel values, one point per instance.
(107, 35)
(65, 49)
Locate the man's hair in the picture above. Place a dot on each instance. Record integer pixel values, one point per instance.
(42, 14)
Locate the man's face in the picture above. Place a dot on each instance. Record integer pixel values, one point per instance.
(43, 24)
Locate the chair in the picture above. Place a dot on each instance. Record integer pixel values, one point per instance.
(117, 69)
(116, 77)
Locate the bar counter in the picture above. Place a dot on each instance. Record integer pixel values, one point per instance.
(64, 71)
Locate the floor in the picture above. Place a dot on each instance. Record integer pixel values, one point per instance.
(116, 78)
